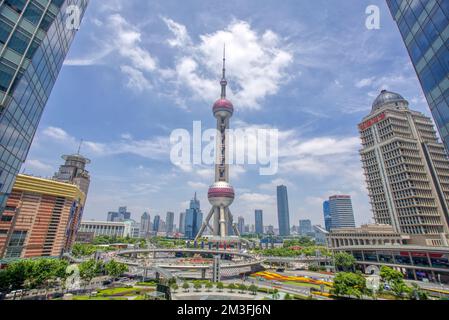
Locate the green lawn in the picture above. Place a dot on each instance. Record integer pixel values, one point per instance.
(307, 285)
(97, 298)
(146, 284)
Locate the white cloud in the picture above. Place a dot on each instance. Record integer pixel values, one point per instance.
(56, 133)
(257, 64)
(364, 82)
(38, 166)
(182, 37)
(197, 185)
(155, 148)
(136, 79)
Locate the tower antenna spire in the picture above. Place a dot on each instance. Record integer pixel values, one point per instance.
(223, 82)
(79, 147)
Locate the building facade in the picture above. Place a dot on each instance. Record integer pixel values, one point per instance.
(182, 221)
(366, 235)
(407, 170)
(327, 215)
(40, 218)
(103, 228)
(342, 214)
(170, 219)
(120, 216)
(305, 227)
(34, 40)
(241, 225)
(424, 26)
(145, 225)
(193, 220)
(259, 222)
(157, 223)
(283, 211)
(74, 171)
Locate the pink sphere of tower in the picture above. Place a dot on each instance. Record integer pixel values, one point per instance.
(221, 194)
(223, 108)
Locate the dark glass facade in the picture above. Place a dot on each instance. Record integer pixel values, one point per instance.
(283, 211)
(424, 26)
(34, 40)
(259, 221)
(327, 215)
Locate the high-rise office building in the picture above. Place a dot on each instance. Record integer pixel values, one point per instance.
(170, 219)
(156, 223)
(407, 169)
(259, 222)
(74, 171)
(145, 225)
(121, 215)
(40, 218)
(283, 211)
(182, 222)
(305, 227)
(424, 26)
(241, 225)
(35, 36)
(194, 219)
(327, 215)
(342, 214)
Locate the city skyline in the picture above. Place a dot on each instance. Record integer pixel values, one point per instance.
(125, 162)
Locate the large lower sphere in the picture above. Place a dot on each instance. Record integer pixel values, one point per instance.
(221, 194)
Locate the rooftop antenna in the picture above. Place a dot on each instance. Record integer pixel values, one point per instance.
(79, 148)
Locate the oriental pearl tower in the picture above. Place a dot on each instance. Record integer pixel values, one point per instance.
(221, 193)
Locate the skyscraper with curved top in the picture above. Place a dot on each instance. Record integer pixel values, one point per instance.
(35, 36)
(406, 169)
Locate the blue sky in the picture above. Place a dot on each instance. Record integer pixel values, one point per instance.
(140, 69)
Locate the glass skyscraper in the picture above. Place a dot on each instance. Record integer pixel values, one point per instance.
(35, 36)
(342, 214)
(424, 26)
(283, 212)
(194, 219)
(259, 221)
(327, 215)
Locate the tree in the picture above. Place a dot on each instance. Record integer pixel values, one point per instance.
(220, 286)
(416, 293)
(253, 288)
(186, 287)
(390, 275)
(209, 286)
(242, 288)
(174, 287)
(275, 294)
(349, 285)
(231, 287)
(288, 297)
(115, 269)
(344, 261)
(396, 280)
(198, 286)
(400, 289)
(89, 270)
(18, 273)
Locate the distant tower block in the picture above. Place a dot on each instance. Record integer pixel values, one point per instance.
(221, 193)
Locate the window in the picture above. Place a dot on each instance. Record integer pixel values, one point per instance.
(19, 42)
(16, 5)
(33, 13)
(6, 75)
(5, 30)
(6, 218)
